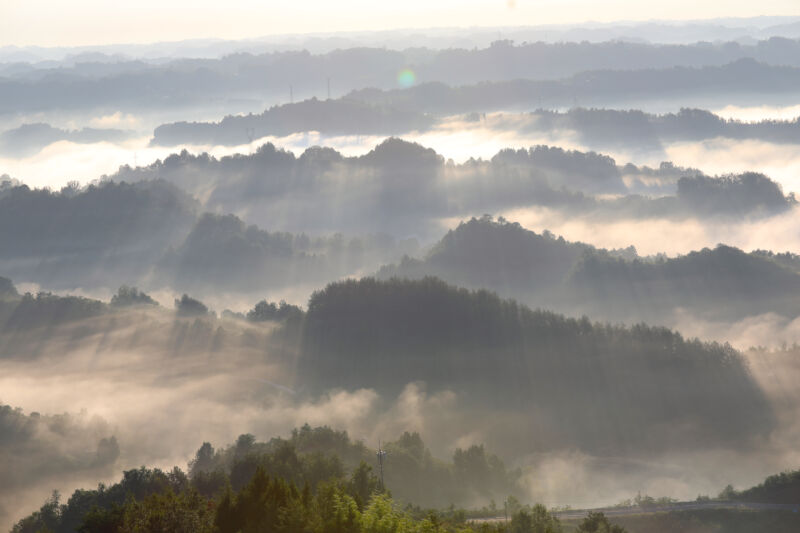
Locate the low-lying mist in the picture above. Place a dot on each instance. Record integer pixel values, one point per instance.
(153, 386)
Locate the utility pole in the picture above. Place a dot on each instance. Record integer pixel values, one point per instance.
(329, 87)
(381, 454)
(291, 95)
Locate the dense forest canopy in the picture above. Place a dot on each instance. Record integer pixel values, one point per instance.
(319, 480)
(383, 334)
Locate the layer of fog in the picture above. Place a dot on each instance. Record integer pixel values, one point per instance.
(671, 237)
(65, 161)
(122, 370)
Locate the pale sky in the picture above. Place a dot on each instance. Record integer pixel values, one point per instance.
(97, 22)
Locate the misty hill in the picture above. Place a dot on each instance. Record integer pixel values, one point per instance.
(221, 251)
(578, 383)
(309, 477)
(46, 309)
(545, 271)
(632, 129)
(377, 112)
(331, 117)
(136, 85)
(29, 139)
(413, 473)
(498, 256)
(47, 449)
(403, 189)
(723, 283)
(778, 488)
(88, 234)
(591, 88)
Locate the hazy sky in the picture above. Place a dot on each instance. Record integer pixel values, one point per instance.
(93, 22)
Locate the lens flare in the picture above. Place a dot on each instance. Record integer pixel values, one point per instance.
(406, 78)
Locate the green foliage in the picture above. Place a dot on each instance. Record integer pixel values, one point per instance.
(598, 523)
(537, 520)
(253, 486)
(185, 512)
(778, 488)
(45, 520)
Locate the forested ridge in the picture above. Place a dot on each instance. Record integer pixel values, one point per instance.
(383, 334)
(547, 271)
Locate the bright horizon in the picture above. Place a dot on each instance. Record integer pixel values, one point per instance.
(53, 23)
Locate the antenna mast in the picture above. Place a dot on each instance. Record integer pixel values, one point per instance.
(381, 454)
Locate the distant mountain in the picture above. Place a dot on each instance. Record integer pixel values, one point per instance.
(113, 83)
(330, 117)
(372, 111)
(591, 88)
(639, 131)
(29, 139)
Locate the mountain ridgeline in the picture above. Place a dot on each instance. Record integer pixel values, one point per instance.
(402, 188)
(90, 83)
(549, 272)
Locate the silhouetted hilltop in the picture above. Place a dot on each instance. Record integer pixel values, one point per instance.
(222, 251)
(571, 377)
(721, 282)
(403, 189)
(29, 139)
(373, 111)
(330, 117)
(549, 272)
(91, 233)
(590, 88)
(36, 222)
(637, 130)
(47, 309)
(498, 256)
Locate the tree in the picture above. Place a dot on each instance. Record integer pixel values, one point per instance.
(538, 520)
(363, 484)
(127, 296)
(185, 512)
(598, 523)
(188, 306)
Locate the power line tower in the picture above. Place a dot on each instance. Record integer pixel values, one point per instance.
(381, 454)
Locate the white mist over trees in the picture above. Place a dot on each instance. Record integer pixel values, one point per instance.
(287, 306)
